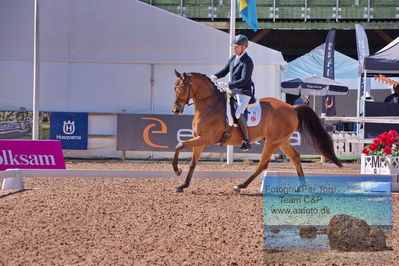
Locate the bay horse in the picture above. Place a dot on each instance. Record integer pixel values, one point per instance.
(279, 120)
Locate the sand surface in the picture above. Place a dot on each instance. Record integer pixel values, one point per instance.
(139, 221)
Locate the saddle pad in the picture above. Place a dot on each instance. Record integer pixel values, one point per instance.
(254, 115)
(253, 118)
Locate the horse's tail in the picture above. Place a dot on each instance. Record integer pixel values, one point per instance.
(309, 120)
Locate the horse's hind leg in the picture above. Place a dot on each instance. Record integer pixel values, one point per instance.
(294, 156)
(267, 152)
(196, 155)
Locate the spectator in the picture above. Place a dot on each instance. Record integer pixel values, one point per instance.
(394, 97)
(303, 99)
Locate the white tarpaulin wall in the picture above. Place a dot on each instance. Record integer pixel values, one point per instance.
(100, 56)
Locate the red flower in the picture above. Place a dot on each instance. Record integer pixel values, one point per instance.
(373, 147)
(392, 133)
(387, 150)
(377, 141)
(387, 143)
(387, 140)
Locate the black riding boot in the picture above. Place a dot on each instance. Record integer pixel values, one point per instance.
(243, 126)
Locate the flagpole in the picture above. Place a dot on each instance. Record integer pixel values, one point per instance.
(358, 103)
(36, 72)
(229, 159)
(232, 24)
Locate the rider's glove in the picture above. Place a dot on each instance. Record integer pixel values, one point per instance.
(224, 85)
(213, 78)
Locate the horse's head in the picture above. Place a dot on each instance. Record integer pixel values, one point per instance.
(183, 92)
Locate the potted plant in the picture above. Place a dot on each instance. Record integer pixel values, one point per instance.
(382, 156)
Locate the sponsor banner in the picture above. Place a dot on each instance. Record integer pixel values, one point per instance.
(31, 154)
(329, 72)
(70, 129)
(152, 132)
(141, 132)
(362, 45)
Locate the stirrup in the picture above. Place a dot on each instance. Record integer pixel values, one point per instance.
(245, 145)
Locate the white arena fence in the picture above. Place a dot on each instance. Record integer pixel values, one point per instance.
(347, 144)
(13, 178)
(350, 144)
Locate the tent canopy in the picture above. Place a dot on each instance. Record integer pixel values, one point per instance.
(111, 56)
(311, 64)
(385, 61)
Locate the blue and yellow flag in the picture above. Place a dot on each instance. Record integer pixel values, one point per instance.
(247, 10)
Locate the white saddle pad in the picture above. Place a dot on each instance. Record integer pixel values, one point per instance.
(254, 115)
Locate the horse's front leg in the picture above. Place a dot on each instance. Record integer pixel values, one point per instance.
(176, 159)
(196, 155)
(193, 142)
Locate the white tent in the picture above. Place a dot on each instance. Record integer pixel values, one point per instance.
(385, 61)
(111, 56)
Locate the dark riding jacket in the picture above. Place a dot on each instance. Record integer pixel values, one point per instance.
(241, 82)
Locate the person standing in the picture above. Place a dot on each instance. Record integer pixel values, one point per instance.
(240, 67)
(394, 97)
(302, 99)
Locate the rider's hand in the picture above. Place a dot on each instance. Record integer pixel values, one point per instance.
(213, 78)
(223, 85)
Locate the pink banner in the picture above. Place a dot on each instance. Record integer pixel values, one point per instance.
(31, 154)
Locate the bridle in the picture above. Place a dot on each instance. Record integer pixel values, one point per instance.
(182, 87)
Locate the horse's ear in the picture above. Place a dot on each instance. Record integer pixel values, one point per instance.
(177, 74)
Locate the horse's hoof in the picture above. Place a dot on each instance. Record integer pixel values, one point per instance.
(178, 172)
(236, 188)
(178, 190)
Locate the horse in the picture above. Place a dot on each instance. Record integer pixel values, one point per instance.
(278, 122)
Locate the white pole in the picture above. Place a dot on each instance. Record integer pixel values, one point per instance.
(363, 100)
(358, 104)
(364, 93)
(314, 102)
(36, 73)
(229, 157)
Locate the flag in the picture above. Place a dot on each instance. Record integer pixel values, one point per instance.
(328, 72)
(363, 51)
(247, 10)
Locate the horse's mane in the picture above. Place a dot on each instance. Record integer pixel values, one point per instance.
(205, 76)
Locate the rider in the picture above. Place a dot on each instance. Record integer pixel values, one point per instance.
(240, 67)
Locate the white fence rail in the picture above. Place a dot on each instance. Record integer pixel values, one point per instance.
(13, 178)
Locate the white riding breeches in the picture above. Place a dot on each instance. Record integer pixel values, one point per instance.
(242, 103)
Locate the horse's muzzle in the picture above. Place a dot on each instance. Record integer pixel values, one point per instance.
(177, 109)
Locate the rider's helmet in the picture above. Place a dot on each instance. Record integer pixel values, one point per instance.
(240, 40)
